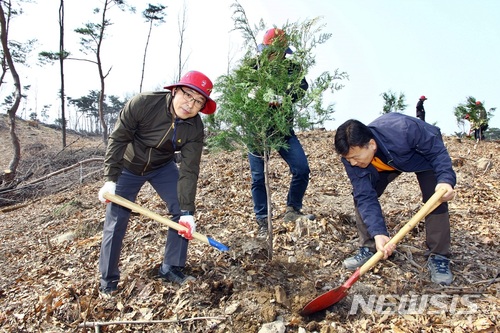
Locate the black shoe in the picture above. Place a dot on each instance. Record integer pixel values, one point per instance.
(263, 229)
(108, 291)
(175, 275)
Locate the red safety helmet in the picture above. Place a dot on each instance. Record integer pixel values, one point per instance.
(202, 84)
(423, 97)
(269, 38)
(271, 34)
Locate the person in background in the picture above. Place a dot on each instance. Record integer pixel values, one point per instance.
(420, 108)
(294, 155)
(482, 122)
(373, 156)
(142, 148)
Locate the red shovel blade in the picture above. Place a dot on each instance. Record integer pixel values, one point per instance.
(330, 297)
(333, 296)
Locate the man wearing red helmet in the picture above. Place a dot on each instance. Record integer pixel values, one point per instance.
(420, 108)
(154, 132)
(480, 125)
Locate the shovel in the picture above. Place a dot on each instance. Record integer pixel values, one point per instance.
(333, 296)
(171, 224)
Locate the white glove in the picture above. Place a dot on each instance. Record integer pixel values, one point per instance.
(251, 93)
(269, 95)
(188, 222)
(277, 100)
(108, 187)
(273, 99)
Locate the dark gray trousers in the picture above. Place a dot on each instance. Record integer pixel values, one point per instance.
(164, 181)
(437, 223)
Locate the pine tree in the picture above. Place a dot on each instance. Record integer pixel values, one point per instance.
(260, 99)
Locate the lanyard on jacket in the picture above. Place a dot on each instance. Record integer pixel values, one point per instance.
(381, 166)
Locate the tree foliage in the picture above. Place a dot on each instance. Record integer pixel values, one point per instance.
(244, 93)
(92, 36)
(88, 107)
(493, 133)
(392, 102)
(261, 99)
(473, 111)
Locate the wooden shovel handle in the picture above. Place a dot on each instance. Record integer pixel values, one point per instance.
(427, 208)
(169, 223)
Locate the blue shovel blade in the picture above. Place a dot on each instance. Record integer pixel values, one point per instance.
(218, 245)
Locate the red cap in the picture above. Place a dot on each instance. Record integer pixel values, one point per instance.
(202, 84)
(271, 34)
(269, 38)
(423, 97)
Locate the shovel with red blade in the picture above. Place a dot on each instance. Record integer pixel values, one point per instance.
(335, 295)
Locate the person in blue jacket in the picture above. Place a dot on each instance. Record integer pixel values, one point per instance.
(374, 155)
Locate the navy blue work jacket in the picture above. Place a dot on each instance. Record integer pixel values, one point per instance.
(409, 145)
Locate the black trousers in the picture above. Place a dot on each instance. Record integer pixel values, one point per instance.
(437, 223)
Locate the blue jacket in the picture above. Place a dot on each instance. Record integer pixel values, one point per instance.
(410, 145)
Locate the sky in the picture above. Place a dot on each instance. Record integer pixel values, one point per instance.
(446, 50)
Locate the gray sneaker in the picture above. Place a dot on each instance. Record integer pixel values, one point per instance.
(352, 263)
(263, 229)
(292, 214)
(439, 267)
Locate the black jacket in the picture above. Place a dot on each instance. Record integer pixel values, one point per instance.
(145, 138)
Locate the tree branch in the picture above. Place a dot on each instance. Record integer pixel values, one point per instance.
(98, 324)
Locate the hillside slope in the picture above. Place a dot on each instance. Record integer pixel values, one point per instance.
(50, 248)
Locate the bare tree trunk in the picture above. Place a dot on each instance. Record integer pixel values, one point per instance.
(102, 76)
(145, 53)
(61, 64)
(182, 29)
(101, 105)
(269, 206)
(14, 163)
(155, 15)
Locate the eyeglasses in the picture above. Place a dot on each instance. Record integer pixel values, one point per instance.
(189, 98)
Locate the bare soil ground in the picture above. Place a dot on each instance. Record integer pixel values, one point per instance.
(51, 232)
